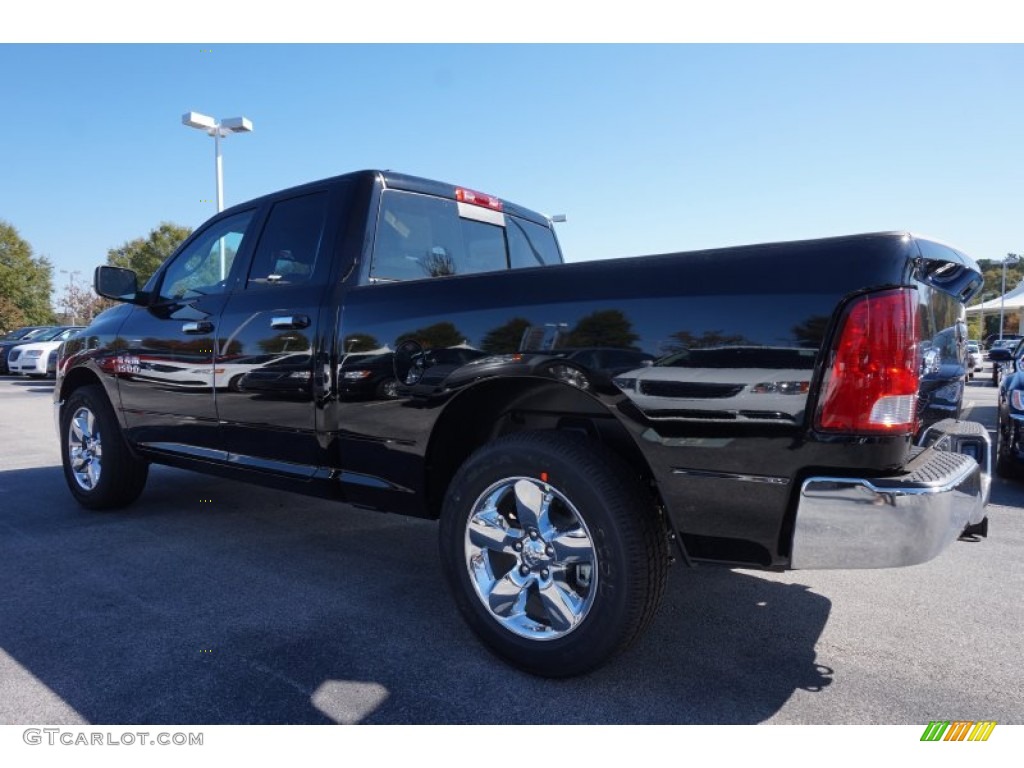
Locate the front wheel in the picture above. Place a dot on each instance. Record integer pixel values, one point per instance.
(553, 550)
(388, 390)
(99, 467)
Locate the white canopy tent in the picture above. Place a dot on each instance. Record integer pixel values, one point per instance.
(1011, 301)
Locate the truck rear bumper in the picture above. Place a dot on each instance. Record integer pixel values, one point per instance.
(844, 522)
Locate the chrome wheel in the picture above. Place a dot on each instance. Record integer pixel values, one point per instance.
(85, 449)
(570, 374)
(100, 473)
(554, 552)
(530, 558)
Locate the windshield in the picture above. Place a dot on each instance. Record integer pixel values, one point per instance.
(49, 334)
(35, 333)
(17, 333)
(67, 334)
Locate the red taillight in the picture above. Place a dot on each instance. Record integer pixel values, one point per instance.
(478, 198)
(872, 383)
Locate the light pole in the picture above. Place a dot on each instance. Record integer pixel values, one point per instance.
(69, 301)
(219, 130)
(984, 297)
(1011, 258)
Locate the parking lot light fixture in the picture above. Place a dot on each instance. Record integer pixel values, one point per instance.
(219, 130)
(1011, 258)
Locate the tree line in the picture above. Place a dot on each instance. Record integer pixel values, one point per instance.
(27, 279)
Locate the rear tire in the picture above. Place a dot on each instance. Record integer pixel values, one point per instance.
(99, 467)
(553, 551)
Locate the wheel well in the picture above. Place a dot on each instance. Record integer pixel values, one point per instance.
(499, 407)
(75, 379)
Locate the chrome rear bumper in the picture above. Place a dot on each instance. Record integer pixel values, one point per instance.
(844, 522)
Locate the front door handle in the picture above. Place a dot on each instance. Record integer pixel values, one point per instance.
(197, 327)
(289, 322)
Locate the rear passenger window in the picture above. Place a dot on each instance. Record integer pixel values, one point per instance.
(530, 245)
(288, 248)
(421, 236)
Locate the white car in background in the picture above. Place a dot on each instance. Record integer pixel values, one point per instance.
(974, 358)
(39, 358)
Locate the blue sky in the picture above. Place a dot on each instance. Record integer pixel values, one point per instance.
(646, 148)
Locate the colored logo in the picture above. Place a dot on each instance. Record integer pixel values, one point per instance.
(958, 730)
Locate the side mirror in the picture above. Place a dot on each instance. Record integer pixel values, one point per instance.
(117, 283)
(1000, 354)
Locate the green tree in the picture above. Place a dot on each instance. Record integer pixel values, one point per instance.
(26, 281)
(604, 328)
(681, 340)
(436, 336)
(146, 254)
(285, 342)
(506, 337)
(359, 342)
(811, 332)
(992, 271)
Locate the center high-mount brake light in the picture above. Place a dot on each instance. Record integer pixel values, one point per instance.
(871, 385)
(478, 198)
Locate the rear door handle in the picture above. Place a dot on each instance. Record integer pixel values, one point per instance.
(289, 322)
(197, 327)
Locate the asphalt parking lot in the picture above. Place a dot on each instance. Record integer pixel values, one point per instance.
(211, 601)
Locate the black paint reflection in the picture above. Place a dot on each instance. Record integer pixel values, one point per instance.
(750, 384)
(943, 374)
(288, 377)
(368, 376)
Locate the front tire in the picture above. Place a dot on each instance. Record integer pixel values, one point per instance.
(1006, 466)
(388, 390)
(553, 551)
(99, 467)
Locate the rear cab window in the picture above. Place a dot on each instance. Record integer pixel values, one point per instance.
(420, 236)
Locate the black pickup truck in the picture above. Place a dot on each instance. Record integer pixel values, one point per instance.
(574, 427)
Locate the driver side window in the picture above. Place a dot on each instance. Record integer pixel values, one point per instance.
(204, 266)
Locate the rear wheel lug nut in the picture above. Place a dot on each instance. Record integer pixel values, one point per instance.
(524, 570)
